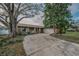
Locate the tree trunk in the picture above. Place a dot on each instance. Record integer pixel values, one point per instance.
(56, 30)
(13, 27)
(13, 21)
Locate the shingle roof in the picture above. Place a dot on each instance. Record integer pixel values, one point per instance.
(29, 23)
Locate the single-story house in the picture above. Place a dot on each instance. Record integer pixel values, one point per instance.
(27, 25)
(29, 28)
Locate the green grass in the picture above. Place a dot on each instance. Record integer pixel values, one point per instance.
(72, 34)
(11, 46)
(69, 36)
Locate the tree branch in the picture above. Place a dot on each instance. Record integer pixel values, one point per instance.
(6, 24)
(16, 12)
(5, 19)
(20, 19)
(4, 7)
(19, 12)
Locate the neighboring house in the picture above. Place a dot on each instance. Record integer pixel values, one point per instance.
(74, 27)
(71, 29)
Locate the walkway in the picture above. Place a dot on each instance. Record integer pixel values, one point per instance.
(45, 45)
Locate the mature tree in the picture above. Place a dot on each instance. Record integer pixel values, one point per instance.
(57, 16)
(12, 13)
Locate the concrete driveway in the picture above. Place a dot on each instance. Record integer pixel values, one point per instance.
(45, 45)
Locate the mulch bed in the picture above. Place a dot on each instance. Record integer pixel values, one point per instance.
(12, 47)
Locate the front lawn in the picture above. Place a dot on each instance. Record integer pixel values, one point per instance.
(69, 36)
(11, 46)
(72, 34)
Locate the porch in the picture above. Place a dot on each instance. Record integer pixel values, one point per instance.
(29, 29)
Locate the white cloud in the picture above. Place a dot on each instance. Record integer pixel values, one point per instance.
(74, 8)
(75, 18)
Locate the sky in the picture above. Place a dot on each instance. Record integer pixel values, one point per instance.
(74, 8)
(37, 20)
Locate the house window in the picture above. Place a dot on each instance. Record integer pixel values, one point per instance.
(24, 29)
